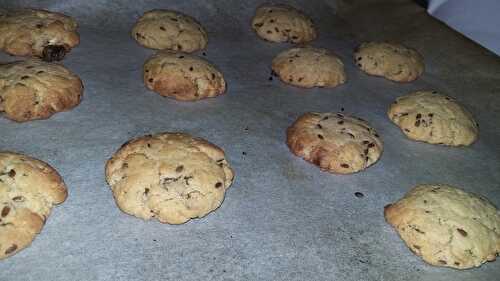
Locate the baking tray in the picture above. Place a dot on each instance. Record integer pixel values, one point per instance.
(282, 219)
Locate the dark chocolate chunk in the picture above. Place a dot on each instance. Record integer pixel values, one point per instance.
(53, 53)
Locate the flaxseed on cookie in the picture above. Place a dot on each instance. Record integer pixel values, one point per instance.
(29, 189)
(447, 226)
(335, 142)
(34, 89)
(165, 29)
(172, 177)
(182, 76)
(309, 67)
(434, 118)
(392, 61)
(38, 33)
(283, 23)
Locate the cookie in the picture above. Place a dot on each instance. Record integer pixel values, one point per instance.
(34, 89)
(37, 33)
(392, 61)
(309, 67)
(335, 142)
(165, 29)
(172, 177)
(283, 23)
(182, 76)
(434, 118)
(447, 226)
(29, 188)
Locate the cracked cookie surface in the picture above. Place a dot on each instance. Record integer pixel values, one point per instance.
(29, 189)
(447, 226)
(182, 76)
(172, 177)
(392, 61)
(165, 29)
(434, 118)
(34, 89)
(335, 142)
(282, 23)
(40, 33)
(309, 67)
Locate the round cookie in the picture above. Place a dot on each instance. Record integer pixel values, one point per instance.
(169, 176)
(39, 33)
(182, 76)
(447, 226)
(165, 29)
(335, 142)
(29, 188)
(34, 89)
(392, 61)
(309, 67)
(283, 23)
(434, 118)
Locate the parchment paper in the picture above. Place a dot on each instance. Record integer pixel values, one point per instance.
(282, 219)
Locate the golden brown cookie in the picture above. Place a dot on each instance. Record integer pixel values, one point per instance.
(392, 61)
(283, 23)
(165, 29)
(335, 142)
(38, 33)
(309, 67)
(434, 118)
(29, 188)
(172, 177)
(182, 76)
(447, 226)
(34, 89)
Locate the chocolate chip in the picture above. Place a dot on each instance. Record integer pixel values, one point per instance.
(11, 249)
(162, 28)
(462, 232)
(191, 68)
(218, 185)
(319, 126)
(179, 168)
(457, 263)
(5, 211)
(417, 123)
(276, 29)
(418, 116)
(376, 135)
(359, 194)
(325, 118)
(407, 130)
(174, 19)
(365, 151)
(12, 173)
(151, 80)
(146, 191)
(344, 165)
(181, 57)
(53, 53)
(430, 114)
(259, 24)
(269, 32)
(321, 137)
(39, 25)
(370, 145)
(25, 77)
(340, 122)
(366, 142)
(442, 261)
(295, 37)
